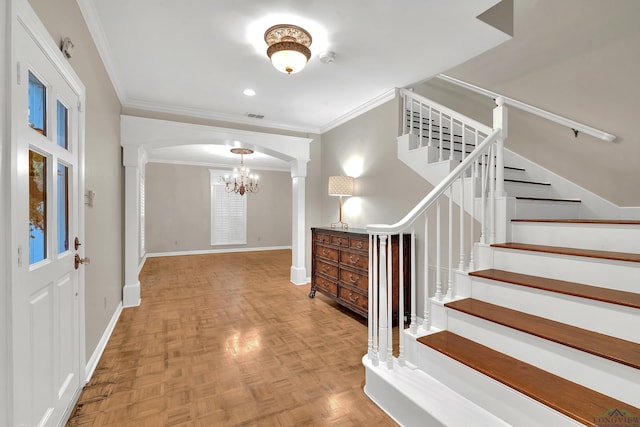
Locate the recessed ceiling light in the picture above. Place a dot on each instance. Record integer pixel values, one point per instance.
(249, 92)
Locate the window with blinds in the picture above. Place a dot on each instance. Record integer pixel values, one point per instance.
(228, 213)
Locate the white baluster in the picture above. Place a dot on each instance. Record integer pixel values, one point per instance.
(492, 201)
(474, 178)
(427, 288)
(374, 308)
(401, 359)
(430, 118)
(440, 142)
(461, 265)
(450, 292)
(464, 141)
(411, 116)
(420, 133)
(370, 302)
(483, 198)
(438, 253)
(451, 134)
(389, 303)
(414, 322)
(384, 330)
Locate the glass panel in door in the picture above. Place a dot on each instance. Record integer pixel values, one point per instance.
(37, 207)
(63, 208)
(37, 110)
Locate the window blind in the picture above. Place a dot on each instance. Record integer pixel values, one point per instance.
(228, 213)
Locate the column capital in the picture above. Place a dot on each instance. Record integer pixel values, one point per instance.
(298, 168)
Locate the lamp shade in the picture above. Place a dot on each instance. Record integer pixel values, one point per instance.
(340, 185)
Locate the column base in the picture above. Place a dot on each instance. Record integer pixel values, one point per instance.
(131, 295)
(298, 275)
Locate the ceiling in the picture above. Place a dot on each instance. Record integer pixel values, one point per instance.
(196, 58)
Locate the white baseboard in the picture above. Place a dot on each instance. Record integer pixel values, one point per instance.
(102, 344)
(142, 261)
(216, 251)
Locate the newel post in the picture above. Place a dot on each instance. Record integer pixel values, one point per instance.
(500, 122)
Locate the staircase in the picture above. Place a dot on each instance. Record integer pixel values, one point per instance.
(514, 321)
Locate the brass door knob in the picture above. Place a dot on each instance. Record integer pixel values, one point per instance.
(77, 261)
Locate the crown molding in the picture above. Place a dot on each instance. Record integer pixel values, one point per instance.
(367, 106)
(90, 15)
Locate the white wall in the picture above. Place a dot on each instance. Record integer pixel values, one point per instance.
(4, 196)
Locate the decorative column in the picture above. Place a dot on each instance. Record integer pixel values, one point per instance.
(298, 268)
(132, 163)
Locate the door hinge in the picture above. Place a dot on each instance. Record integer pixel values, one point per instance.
(19, 256)
(80, 106)
(19, 73)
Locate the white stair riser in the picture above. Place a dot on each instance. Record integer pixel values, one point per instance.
(536, 209)
(506, 403)
(520, 189)
(613, 379)
(601, 317)
(413, 398)
(620, 275)
(605, 237)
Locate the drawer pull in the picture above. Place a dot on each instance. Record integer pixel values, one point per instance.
(324, 285)
(359, 245)
(325, 252)
(354, 261)
(342, 241)
(353, 279)
(352, 299)
(325, 268)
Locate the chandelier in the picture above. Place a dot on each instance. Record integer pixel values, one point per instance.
(241, 181)
(288, 47)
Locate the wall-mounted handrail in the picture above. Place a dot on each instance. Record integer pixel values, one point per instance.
(572, 124)
(437, 191)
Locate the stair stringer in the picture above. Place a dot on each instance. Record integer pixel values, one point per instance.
(423, 160)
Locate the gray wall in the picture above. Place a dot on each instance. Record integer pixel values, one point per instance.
(577, 58)
(103, 168)
(178, 209)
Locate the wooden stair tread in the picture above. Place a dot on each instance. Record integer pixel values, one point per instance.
(611, 348)
(573, 400)
(582, 221)
(612, 296)
(590, 253)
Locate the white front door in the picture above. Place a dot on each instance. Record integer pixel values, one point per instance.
(45, 220)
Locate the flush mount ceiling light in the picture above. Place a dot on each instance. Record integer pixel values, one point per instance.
(288, 47)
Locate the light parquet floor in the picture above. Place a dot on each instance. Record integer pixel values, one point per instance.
(227, 340)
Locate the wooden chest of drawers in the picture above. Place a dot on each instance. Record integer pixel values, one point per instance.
(340, 267)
